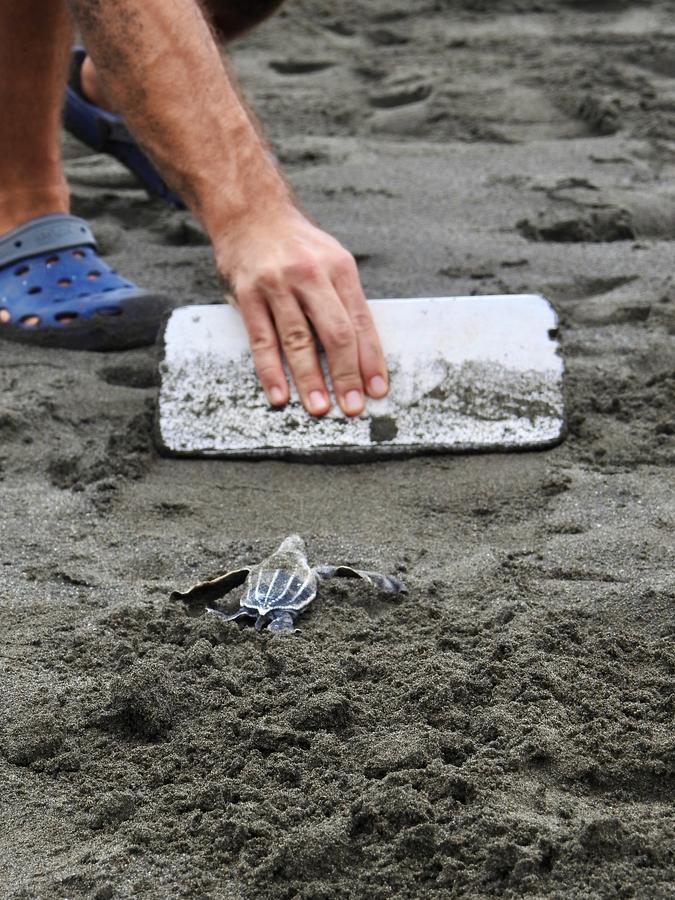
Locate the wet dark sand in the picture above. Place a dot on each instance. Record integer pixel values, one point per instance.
(505, 729)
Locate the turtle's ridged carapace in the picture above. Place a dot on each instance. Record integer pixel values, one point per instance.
(283, 581)
(280, 588)
(293, 544)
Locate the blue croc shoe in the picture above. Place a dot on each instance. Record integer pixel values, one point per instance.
(107, 133)
(57, 292)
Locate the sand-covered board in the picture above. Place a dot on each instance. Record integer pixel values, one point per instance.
(467, 373)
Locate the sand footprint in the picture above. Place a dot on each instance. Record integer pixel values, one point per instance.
(300, 66)
(140, 376)
(403, 95)
(598, 227)
(387, 37)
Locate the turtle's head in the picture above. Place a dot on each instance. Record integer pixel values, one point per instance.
(293, 544)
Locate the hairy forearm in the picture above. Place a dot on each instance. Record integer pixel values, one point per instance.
(162, 69)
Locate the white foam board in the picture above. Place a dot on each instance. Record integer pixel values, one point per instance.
(467, 374)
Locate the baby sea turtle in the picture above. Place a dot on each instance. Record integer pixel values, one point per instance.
(279, 588)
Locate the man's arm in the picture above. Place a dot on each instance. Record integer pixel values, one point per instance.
(162, 69)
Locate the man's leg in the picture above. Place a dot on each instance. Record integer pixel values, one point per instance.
(229, 18)
(48, 296)
(35, 37)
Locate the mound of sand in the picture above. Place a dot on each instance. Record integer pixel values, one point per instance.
(504, 729)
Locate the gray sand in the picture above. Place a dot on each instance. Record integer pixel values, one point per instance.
(507, 727)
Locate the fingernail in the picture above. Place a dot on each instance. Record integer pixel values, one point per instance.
(353, 401)
(378, 386)
(276, 396)
(317, 401)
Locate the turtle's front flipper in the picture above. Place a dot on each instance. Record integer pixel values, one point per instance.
(382, 582)
(208, 591)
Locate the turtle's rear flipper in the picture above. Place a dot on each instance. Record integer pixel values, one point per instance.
(382, 582)
(208, 591)
(230, 617)
(279, 621)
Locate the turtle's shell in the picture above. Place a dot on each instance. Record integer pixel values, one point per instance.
(284, 581)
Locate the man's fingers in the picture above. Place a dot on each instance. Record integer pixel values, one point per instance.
(265, 347)
(299, 346)
(313, 289)
(338, 337)
(371, 358)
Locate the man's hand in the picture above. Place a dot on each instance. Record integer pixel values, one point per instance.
(293, 283)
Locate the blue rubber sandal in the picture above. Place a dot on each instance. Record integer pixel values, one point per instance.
(56, 291)
(107, 133)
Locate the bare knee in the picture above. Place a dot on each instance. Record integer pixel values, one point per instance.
(231, 18)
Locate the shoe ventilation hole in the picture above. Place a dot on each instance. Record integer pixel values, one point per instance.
(79, 254)
(5, 316)
(22, 270)
(64, 282)
(52, 261)
(93, 275)
(65, 317)
(29, 321)
(35, 290)
(109, 311)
